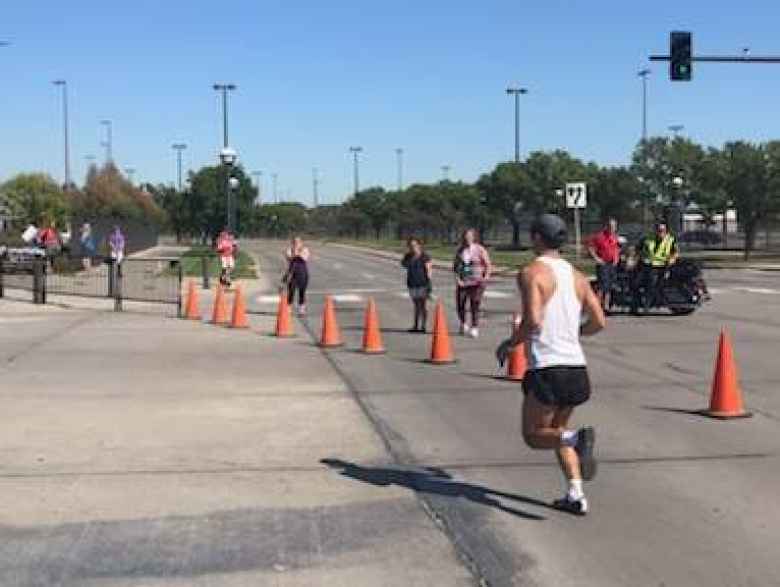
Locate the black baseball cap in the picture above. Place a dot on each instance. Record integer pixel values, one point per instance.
(551, 229)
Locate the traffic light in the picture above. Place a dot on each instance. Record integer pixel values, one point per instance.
(680, 56)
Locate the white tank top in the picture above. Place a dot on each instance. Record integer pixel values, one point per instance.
(557, 343)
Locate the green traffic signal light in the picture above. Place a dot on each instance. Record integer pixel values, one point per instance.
(680, 54)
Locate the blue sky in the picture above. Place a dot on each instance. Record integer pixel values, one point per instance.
(316, 77)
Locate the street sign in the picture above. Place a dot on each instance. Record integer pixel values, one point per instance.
(576, 195)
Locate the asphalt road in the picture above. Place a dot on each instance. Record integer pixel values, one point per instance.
(679, 499)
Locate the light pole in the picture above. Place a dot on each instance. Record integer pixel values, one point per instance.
(224, 88)
(445, 172)
(109, 142)
(676, 129)
(65, 124)
(228, 157)
(258, 175)
(130, 171)
(399, 154)
(643, 73)
(315, 187)
(275, 182)
(355, 152)
(517, 92)
(179, 148)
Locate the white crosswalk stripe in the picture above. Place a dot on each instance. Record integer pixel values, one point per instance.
(347, 298)
(758, 290)
(498, 294)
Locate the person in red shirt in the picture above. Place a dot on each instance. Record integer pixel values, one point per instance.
(604, 247)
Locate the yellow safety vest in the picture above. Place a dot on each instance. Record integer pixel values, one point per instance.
(658, 256)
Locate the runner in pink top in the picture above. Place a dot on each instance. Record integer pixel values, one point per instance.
(472, 270)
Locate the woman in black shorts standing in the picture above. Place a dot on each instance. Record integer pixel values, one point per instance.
(419, 269)
(297, 276)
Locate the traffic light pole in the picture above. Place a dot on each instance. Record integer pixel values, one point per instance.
(722, 59)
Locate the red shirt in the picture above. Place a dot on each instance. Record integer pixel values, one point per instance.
(606, 246)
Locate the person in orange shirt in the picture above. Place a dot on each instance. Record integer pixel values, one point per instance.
(226, 249)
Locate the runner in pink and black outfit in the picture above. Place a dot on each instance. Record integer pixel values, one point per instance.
(472, 271)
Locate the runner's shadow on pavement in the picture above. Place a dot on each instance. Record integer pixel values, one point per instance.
(674, 410)
(435, 481)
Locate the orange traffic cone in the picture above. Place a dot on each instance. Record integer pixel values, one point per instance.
(219, 313)
(192, 305)
(726, 399)
(516, 362)
(441, 350)
(284, 326)
(238, 318)
(372, 335)
(331, 336)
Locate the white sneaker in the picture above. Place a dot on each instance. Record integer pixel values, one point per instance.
(302, 310)
(474, 333)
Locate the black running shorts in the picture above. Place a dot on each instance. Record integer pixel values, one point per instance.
(558, 386)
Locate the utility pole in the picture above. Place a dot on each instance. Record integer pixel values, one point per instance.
(179, 148)
(274, 180)
(315, 186)
(517, 92)
(355, 152)
(399, 153)
(65, 124)
(109, 142)
(224, 89)
(258, 175)
(643, 73)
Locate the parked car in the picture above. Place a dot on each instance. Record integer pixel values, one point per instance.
(701, 237)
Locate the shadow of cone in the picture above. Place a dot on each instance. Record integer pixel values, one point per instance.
(284, 326)
(238, 318)
(372, 336)
(441, 349)
(331, 336)
(516, 362)
(219, 312)
(726, 399)
(192, 307)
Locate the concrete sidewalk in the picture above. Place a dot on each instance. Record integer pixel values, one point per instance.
(137, 451)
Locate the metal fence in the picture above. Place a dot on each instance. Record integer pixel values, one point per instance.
(150, 280)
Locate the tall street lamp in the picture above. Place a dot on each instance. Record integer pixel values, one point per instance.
(676, 129)
(399, 154)
(643, 73)
(179, 148)
(130, 171)
(356, 170)
(275, 183)
(445, 172)
(228, 158)
(64, 85)
(258, 175)
(224, 89)
(517, 92)
(109, 142)
(315, 179)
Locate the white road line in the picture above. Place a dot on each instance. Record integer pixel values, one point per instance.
(758, 290)
(716, 291)
(267, 299)
(346, 298)
(368, 276)
(497, 294)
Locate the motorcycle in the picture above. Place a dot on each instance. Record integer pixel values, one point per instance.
(681, 289)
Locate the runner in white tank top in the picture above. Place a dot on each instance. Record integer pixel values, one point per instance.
(554, 296)
(557, 342)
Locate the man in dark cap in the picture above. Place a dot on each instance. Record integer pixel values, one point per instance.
(554, 297)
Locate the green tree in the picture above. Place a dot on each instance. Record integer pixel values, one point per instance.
(373, 205)
(107, 194)
(750, 181)
(613, 192)
(34, 198)
(208, 200)
(505, 192)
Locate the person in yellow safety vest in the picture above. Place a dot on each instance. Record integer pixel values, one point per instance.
(659, 251)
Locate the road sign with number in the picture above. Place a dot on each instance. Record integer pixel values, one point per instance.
(576, 195)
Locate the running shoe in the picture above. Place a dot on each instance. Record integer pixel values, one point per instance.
(578, 507)
(474, 333)
(302, 310)
(586, 439)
